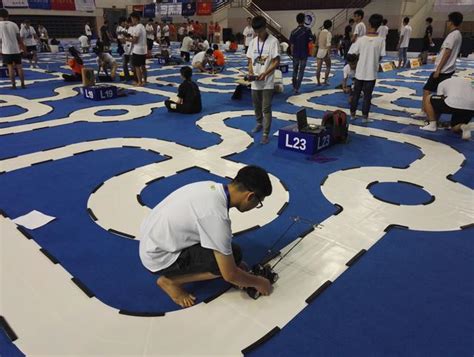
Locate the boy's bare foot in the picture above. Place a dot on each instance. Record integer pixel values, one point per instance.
(176, 292)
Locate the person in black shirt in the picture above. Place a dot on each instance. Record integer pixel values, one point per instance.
(189, 96)
(347, 37)
(105, 35)
(427, 41)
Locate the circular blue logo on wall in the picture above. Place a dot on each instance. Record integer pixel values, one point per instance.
(309, 19)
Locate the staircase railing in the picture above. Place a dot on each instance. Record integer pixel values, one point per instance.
(274, 27)
(343, 15)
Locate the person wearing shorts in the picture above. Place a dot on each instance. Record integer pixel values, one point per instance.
(455, 96)
(139, 49)
(445, 61)
(30, 39)
(323, 54)
(187, 237)
(11, 42)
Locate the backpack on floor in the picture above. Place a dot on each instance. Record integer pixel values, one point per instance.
(337, 121)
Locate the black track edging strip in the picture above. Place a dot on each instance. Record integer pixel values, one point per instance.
(8, 330)
(98, 139)
(356, 257)
(141, 314)
(124, 172)
(318, 292)
(450, 177)
(83, 152)
(306, 232)
(339, 209)
(246, 230)
(94, 218)
(370, 184)
(351, 168)
(467, 226)
(463, 162)
(54, 148)
(378, 137)
(410, 183)
(284, 186)
(154, 180)
(401, 167)
(49, 256)
(262, 340)
(83, 287)
(323, 181)
(41, 162)
(130, 147)
(280, 211)
(421, 156)
(111, 230)
(415, 146)
(270, 257)
(391, 226)
(383, 200)
(216, 295)
(24, 232)
(432, 199)
(152, 151)
(44, 127)
(139, 199)
(192, 167)
(249, 145)
(2, 172)
(97, 187)
(3, 213)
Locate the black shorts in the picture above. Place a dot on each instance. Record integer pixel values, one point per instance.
(149, 44)
(31, 48)
(432, 83)
(459, 116)
(197, 259)
(14, 58)
(138, 60)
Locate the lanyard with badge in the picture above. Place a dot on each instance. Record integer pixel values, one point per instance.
(227, 194)
(260, 60)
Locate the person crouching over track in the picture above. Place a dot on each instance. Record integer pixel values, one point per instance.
(187, 237)
(76, 63)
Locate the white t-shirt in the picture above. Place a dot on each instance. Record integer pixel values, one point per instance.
(150, 32)
(205, 45)
(268, 50)
(453, 42)
(8, 37)
(139, 48)
(383, 31)
(119, 31)
(194, 214)
(166, 31)
(84, 41)
(187, 44)
(158, 31)
(360, 30)
(198, 57)
(106, 59)
(459, 93)
(348, 72)
(127, 47)
(406, 33)
(28, 35)
(249, 34)
(87, 30)
(369, 49)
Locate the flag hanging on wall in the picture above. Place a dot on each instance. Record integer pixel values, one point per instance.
(174, 9)
(15, 3)
(204, 8)
(189, 8)
(149, 11)
(138, 8)
(39, 4)
(85, 5)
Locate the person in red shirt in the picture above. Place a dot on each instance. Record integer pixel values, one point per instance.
(218, 55)
(76, 65)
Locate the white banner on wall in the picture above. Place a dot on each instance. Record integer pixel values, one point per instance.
(453, 5)
(15, 3)
(85, 5)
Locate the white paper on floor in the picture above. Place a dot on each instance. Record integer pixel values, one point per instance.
(33, 220)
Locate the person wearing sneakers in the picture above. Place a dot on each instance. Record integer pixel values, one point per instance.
(187, 237)
(30, 39)
(11, 43)
(455, 96)
(324, 52)
(403, 43)
(299, 40)
(368, 48)
(445, 61)
(263, 58)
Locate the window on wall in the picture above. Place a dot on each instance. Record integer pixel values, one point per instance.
(59, 26)
(308, 4)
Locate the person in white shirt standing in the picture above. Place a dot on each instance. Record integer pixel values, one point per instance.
(166, 34)
(248, 33)
(127, 48)
(368, 48)
(359, 29)
(456, 97)
(187, 237)
(139, 49)
(158, 33)
(88, 32)
(403, 43)
(84, 42)
(30, 39)
(43, 37)
(120, 32)
(324, 52)
(446, 60)
(11, 44)
(383, 32)
(150, 36)
(263, 58)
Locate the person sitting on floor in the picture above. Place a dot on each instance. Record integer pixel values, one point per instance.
(454, 96)
(201, 59)
(76, 65)
(189, 96)
(233, 46)
(219, 58)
